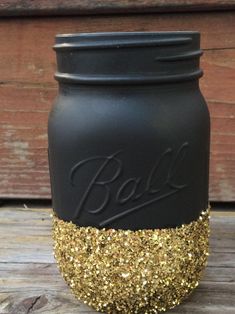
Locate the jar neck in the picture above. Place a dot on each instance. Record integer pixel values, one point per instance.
(69, 88)
(128, 58)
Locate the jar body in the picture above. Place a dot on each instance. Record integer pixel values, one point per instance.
(129, 156)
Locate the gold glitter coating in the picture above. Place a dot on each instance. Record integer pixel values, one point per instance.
(123, 271)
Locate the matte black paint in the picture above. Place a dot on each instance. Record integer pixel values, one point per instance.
(129, 131)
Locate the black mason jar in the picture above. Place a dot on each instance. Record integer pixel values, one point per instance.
(128, 156)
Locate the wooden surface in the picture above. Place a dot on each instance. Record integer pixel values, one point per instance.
(31, 283)
(76, 7)
(27, 90)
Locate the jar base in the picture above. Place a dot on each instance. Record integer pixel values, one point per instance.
(124, 271)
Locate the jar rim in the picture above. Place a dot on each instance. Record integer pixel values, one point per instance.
(142, 33)
(128, 57)
(106, 39)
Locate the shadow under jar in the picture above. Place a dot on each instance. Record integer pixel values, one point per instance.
(129, 134)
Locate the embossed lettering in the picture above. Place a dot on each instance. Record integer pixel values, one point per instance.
(132, 184)
(175, 166)
(95, 180)
(153, 176)
(161, 182)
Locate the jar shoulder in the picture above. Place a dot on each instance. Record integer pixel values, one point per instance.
(135, 111)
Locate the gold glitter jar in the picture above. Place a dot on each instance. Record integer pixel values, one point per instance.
(128, 158)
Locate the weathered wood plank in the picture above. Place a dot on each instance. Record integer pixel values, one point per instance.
(75, 7)
(27, 90)
(36, 301)
(28, 57)
(30, 280)
(16, 276)
(23, 146)
(207, 298)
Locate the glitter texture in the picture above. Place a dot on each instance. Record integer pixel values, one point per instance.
(124, 271)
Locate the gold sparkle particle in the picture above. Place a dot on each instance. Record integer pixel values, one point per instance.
(124, 271)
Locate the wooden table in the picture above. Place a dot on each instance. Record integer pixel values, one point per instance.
(31, 283)
(28, 63)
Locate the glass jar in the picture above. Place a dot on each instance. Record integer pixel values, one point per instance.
(129, 131)
(128, 156)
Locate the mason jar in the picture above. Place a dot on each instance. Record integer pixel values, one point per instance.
(128, 136)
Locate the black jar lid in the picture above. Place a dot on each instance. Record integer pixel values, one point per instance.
(128, 57)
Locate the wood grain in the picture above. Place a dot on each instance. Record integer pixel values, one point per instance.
(28, 58)
(30, 280)
(27, 91)
(75, 7)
